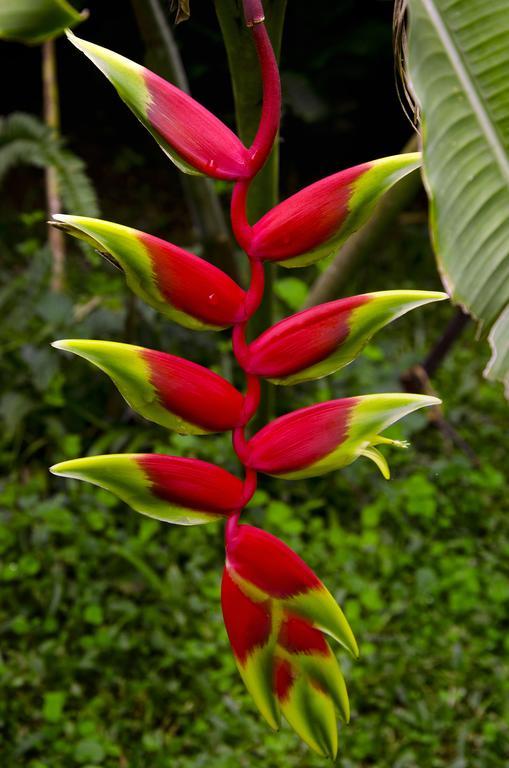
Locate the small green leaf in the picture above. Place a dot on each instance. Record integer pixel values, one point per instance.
(292, 291)
(93, 614)
(35, 21)
(53, 705)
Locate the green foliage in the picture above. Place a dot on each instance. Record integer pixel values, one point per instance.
(113, 651)
(34, 21)
(458, 61)
(25, 140)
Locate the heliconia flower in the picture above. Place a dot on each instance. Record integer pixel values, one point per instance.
(330, 435)
(166, 389)
(192, 137)
(316, 221)
(180, 285)
(323, 339)
(275, 611)
(168, 488)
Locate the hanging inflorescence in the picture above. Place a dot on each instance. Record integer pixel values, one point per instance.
(276, 611)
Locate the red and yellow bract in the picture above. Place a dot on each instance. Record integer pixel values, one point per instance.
(276, 610)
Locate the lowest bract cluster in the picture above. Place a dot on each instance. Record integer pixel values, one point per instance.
(277, 613)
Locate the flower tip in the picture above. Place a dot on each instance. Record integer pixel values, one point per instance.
(68, 345)
(415, 157)
(65, 468)
(60, 344)
(72, 37)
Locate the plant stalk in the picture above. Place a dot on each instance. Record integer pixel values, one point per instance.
(264, 190)
(51, 107)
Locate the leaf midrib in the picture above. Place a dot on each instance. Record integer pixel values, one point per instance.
(479, 108)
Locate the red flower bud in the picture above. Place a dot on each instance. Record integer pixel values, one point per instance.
(331, 435)
(275, 611)
(169, 488)
(323, 339)
(316, 221)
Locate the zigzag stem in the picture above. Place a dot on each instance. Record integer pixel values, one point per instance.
(242, 230)
(253, 298)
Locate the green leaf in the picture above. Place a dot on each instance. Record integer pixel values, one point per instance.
(53, 705)
(35, 21)
(459, 69)
(292, 291)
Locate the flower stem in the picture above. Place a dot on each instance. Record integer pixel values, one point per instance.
(261, 149)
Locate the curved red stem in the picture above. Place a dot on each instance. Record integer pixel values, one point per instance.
(271, 109)
(243, 232)
(253, 12)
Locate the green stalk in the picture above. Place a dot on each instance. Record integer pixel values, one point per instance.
(53, 202)
(247, 93)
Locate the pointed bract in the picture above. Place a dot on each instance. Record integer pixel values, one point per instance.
(264, 567)
(330, 435)
(180, 285)
(168, 488)
(316, 221)
(281, 653)
(166, 389)
(321, 340)
(192, 137)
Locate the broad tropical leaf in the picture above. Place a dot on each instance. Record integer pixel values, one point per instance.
(168, 488)
(323, 339)
(177, 283)
(330, 435)
(169, 390)
(459, 71)
(34, 21)
(276, 611)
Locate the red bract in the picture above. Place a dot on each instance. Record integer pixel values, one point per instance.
(201, 140)
(307, 219)
(192, 483)
(191, 136)
(179, 284)
(164, 388)
(193, 285)
(302, 340)
(323, 339)
(300, 439)
(170, 488)
(330, 435)
(314, 222)
(268, 564)
(276, 610)
(196, 394)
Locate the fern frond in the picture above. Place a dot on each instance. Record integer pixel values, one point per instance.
(25, 140)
